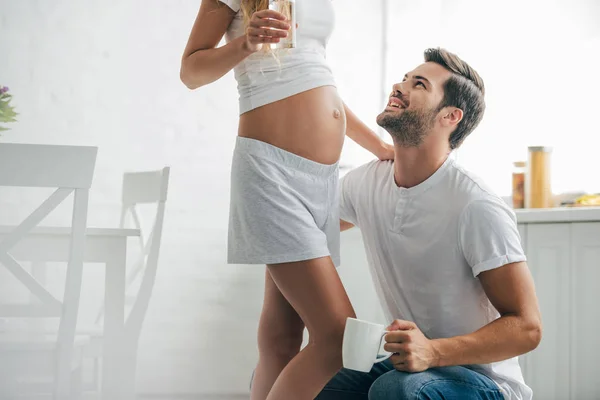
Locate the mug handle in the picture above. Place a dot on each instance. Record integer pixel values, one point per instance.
(388, 355)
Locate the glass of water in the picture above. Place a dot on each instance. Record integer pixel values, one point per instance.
(287, 8)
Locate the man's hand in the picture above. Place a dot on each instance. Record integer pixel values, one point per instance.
(414, 352)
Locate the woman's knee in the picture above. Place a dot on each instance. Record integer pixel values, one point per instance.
(315, 290)
(329, 338)
(280, 341)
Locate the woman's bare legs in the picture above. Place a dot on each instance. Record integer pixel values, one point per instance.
(315, 291)
(279, 339)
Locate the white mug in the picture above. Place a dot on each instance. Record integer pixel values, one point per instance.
(361, 345)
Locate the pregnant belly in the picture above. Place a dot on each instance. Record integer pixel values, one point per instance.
(311, 124)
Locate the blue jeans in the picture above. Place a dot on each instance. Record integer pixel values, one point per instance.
(385, 383)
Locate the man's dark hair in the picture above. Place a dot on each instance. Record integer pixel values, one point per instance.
(464, 90)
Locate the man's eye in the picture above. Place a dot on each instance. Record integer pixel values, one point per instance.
(420, 83)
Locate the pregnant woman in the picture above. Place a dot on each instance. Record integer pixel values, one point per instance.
(284, 193)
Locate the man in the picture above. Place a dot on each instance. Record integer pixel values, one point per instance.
(444, 252)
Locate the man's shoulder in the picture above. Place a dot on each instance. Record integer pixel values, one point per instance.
(372, 170)
(471, 187)
(474, 198)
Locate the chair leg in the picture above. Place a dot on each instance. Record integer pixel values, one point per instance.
(72, 294)
(129, 371)
(77, 383)
(97, 374)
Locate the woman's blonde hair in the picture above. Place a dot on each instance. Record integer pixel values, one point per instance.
(249, 7)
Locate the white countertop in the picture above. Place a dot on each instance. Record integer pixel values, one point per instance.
(559, 214)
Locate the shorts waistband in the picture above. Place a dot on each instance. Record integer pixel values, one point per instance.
(280, 156)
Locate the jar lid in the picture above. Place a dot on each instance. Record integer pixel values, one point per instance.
(545, 149)
(520, 164)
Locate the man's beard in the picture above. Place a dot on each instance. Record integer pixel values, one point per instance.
(410, 128)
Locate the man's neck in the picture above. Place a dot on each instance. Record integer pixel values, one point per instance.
(414, 165)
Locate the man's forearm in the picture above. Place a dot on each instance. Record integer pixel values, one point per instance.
(362, 134)
(504, 338)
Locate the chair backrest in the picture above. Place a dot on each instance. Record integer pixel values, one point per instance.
(148, 187)
(38, 165)
(70, 169)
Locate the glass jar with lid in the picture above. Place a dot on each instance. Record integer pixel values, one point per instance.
(518, 184)
(538, 189)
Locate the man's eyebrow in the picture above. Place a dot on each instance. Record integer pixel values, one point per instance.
(419, 77)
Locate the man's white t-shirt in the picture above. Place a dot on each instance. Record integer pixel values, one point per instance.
(426, 245)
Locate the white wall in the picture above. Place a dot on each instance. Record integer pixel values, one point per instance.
(106, 73)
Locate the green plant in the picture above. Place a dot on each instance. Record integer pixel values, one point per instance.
(7, 112)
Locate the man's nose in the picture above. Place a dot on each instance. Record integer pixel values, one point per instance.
(399, 89)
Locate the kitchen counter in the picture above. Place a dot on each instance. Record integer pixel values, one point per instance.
(559, 214)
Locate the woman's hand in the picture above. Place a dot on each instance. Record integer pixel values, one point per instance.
(386, 152)
(265, 26)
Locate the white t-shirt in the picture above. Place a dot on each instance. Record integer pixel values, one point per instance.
(426, 245)
(263, 78)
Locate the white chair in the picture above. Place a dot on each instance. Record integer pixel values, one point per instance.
(27, 355)
(149, 187)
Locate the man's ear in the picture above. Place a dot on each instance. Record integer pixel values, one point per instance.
(452, 116)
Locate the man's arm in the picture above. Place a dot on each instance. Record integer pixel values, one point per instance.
(518, 330)
(345, 225)
(348, 199)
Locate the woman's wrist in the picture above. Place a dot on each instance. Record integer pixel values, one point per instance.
(243, 46)
(384, 150)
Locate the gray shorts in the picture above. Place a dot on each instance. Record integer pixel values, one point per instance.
(284, 207)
